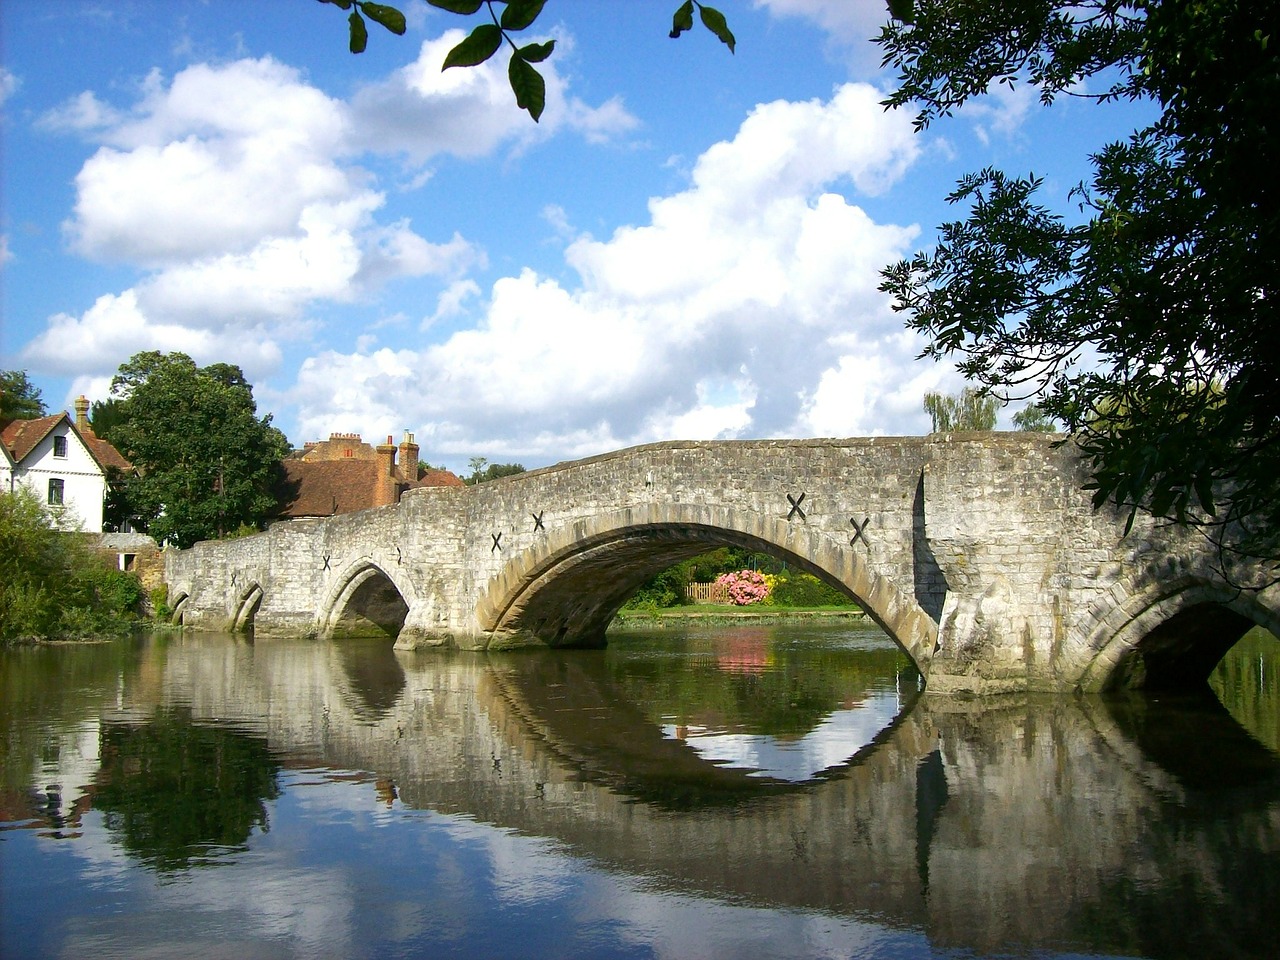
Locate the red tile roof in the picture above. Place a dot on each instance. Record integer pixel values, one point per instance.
(20, 437)
(322, 488)
(106, 454)
(326, 487)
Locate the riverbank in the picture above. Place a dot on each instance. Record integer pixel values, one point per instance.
(715, 613)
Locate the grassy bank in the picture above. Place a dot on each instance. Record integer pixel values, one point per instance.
(717, 613)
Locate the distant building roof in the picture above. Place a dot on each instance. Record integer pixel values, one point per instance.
(324, 488)
(327, 487)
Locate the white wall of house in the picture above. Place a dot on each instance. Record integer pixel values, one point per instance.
(6, 469)
(82, 484)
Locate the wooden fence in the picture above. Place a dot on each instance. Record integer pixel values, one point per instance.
(707, 593)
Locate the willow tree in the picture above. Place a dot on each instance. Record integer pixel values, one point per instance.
(970, 409)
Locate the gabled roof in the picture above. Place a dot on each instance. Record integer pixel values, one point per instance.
(20, 437)
(438, 478)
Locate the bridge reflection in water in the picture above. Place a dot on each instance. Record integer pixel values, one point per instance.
(1105, 826)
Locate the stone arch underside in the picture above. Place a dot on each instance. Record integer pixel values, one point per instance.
(1170, 632)
(179, 608)
(566, 590)
(366, 603)
(247, 605)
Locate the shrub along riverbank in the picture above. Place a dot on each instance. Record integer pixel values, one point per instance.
(53, 585)
(786, 588)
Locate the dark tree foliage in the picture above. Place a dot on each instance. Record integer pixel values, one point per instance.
(505, 19)
(1147, 328)
(105, 416)
(20, 399)
(206, 463)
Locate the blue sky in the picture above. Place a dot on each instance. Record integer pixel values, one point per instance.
(686, 247)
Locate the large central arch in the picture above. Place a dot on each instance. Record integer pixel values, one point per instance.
(566, 589)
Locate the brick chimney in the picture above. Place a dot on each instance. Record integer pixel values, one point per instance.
(388, 485)
(408, 458)
(82, 414)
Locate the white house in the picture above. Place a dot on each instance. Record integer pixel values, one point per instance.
(63, 462)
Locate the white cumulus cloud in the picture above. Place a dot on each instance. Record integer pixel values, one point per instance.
(747, 305)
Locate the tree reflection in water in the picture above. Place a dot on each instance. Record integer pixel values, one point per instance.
(179, 794)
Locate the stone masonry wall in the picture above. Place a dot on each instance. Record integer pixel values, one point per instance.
(980, 553)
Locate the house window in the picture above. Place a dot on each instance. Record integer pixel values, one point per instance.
(60, 447)
(55, 492)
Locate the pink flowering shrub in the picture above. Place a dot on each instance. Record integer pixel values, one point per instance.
(744, 586)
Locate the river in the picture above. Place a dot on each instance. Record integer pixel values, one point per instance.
(702, 792)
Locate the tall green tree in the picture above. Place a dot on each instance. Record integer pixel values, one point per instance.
(1161, 301)
(1032, 419)
(206, 463)
(970, 409)
(20, 399)
(105, 416)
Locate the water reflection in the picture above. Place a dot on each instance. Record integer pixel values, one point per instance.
(178, 794)
(745, 700)
(459, 803)
(374, 679)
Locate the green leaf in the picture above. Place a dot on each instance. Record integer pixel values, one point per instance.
(528, 86)
(482, 44)
(464, 7)
(359, 33)
(683, 19)
(537, 52)
(903, 10)
(714, 21)
(344, 4)
(389, 17)
(521, 13)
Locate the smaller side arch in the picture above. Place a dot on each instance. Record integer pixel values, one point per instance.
(247, 608)
(1168, 631)
(179, 608)
(365, 600)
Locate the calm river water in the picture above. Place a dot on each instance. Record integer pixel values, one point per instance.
(712, 792)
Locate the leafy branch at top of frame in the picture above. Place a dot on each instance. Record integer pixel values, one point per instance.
(487, 38)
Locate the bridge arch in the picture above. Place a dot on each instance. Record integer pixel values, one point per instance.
(565, 589)
(1170, 630)
(179, 609)
(247, 604)
(365, 600)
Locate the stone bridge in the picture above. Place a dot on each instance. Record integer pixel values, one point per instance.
(979, 554)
